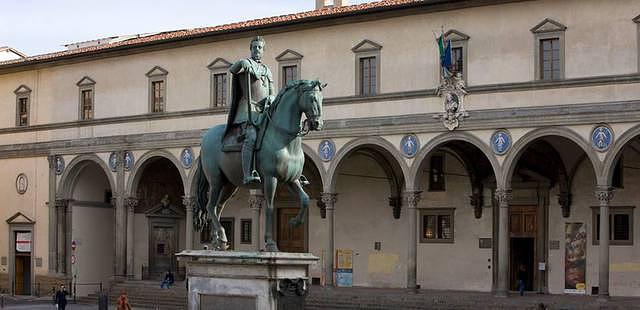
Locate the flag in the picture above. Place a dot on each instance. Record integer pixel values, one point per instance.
(445, 55)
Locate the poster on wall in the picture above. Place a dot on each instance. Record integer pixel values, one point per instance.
(575, 259)
(23, 242)
(344, 270)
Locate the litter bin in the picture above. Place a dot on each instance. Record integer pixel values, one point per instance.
(103, 301)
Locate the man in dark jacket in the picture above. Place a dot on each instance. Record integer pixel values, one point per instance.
(61, 297)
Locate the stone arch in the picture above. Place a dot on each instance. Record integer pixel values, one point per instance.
(614, 153)
(415, 172)
(383, 147)
(520, 146)
(138, 169)
(74, 169)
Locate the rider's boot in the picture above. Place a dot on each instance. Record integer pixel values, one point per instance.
(250, 175)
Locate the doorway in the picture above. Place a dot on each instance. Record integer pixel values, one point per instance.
(163, 248)
(290, 239)
(522, 230)
(23, 274)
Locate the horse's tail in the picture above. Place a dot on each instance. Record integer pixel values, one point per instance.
(202, 188)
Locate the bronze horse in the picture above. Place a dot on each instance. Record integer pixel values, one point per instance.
(279, 158)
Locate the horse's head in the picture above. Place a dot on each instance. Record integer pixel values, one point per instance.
(311, 103)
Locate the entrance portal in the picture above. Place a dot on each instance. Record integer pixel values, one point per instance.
(290, 239)
(23, 274)
(163, 247)
(523, 228)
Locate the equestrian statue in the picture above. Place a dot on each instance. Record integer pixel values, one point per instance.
(259, 146)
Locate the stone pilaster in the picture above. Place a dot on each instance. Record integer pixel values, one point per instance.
(503, 196)
(131, 203)
(256, 201)
(413, 198)
(53, 246)
(189, 203)
(329, 200)
(120, 218)
(604, 195)
(61, 246)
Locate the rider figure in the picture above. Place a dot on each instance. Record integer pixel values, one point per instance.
(253, 92)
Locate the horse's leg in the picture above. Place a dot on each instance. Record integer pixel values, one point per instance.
(270, 184)
(214, 194)
(296, 188)
(227, 192)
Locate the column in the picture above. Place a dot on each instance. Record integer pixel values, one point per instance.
(60, 206)
(120, 220)
(131, 203)
(67, 234)
(503, 196)
(51, 204)
(604, 195)
(329, 200)
(256, 201)
(412, 270)
(189, 202)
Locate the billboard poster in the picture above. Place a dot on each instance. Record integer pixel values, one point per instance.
(344, 270)
(575, 259)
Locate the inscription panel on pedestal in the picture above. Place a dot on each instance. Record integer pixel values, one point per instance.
(231, 302)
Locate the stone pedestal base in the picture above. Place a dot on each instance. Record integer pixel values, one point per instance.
(246, 280)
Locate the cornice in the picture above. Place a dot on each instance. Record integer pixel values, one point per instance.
(561, 115)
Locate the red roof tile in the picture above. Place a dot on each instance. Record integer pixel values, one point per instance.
(187, 33)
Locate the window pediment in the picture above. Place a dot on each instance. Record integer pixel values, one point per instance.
(636, 19)
(289, 55)
(455, 35)
(548, 25)
(219, 63)
(22, 89)
(86, 81)
(20, 218)
(366, 46)
(157, 71)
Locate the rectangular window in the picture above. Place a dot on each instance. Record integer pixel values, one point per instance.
(220, 89)
(245, 232)
(87, 104)
(550, 59)
(158, 96)
(23, 111)
(289, 73)
(437, 225)
(457, 64)
(620, 225)
(436, 173)
(368, 72)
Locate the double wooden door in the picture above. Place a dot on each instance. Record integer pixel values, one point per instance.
(290, 239)
(163, 247)
(22, 274)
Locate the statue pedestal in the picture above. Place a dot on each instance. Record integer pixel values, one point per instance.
(246, 280)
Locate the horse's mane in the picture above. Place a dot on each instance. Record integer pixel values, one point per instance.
(306, 85)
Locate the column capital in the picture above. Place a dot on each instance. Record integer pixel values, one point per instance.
(52, 161)
(604, 194)
(131, 203)
(395, 202)
(61, 202)
(189, 202)
(329, 199)
(503, 196)
(413, 198)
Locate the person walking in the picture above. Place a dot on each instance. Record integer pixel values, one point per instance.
(61, 298)
(522, 276)
(123, 302)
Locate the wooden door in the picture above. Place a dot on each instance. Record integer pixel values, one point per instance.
(290, 239)
(19, 276)
(522, 230)
(163, 245)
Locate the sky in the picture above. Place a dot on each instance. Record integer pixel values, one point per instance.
(37, 27)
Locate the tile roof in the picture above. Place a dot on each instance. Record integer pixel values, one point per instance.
(238, 26)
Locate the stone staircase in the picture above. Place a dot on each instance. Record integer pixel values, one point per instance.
(145, 294)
